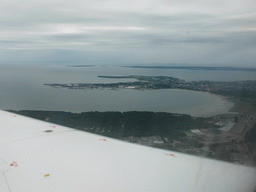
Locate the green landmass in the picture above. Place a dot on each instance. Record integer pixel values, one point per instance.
(124, 124)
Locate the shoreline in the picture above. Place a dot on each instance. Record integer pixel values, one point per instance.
(223, 98)
(226, 99)
(239, 107)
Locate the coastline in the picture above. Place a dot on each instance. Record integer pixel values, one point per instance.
(239, 107)
(226, 99)
(226, 110)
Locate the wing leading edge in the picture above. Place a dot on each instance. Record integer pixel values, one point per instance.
(40, 156)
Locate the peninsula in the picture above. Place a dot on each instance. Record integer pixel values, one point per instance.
(234, 88)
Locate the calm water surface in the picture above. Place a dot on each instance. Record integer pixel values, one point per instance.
(22, 88)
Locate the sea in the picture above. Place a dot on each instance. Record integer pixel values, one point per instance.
(22, 88)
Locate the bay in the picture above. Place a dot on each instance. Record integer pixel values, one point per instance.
(22, 88)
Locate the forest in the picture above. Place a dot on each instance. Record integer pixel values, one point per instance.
(123, 124)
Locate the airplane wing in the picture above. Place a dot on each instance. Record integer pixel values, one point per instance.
(41, 156)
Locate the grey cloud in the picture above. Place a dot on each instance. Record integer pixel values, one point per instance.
(195, 40)
(67, 37)
(170, 30)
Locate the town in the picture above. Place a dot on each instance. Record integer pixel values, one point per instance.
(235, 88)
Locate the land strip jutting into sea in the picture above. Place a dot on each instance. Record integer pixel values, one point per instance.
(235, 88)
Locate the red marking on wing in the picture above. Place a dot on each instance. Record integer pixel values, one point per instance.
(52, 126)
(14, 164)
(170, 155)
(13, 115)
(103, 139)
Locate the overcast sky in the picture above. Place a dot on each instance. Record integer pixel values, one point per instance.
(220, 32)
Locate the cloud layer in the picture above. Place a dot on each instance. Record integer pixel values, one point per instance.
(128, 32)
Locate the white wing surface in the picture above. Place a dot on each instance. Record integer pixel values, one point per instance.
(41, 156)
